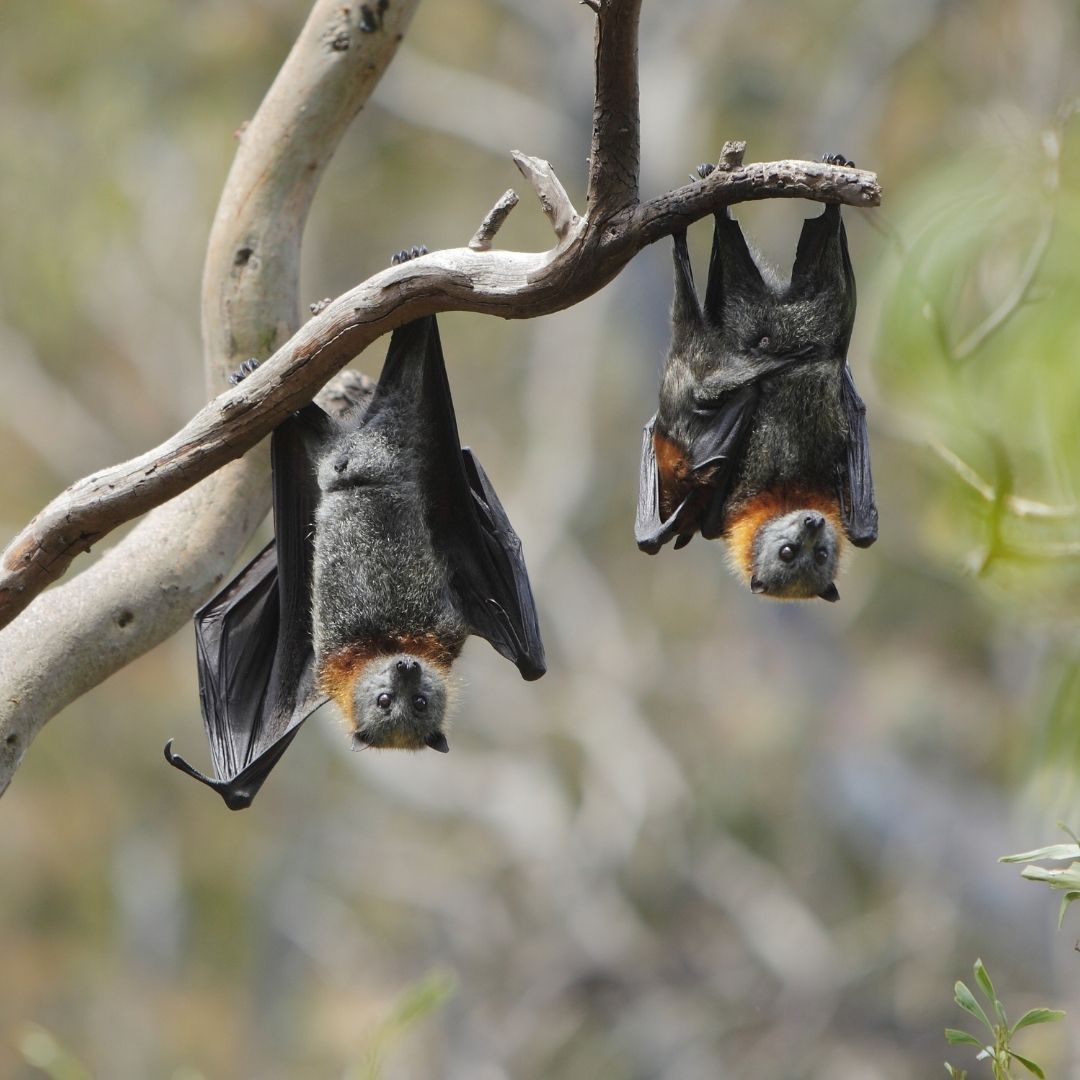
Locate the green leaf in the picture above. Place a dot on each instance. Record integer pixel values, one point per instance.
(1060, 852)
(1066, 900)
(983, 979)
(982, 976)
(1028, 1064)
(1064, 878)
(958, 1038)
(966, 1000)
(1065, 828)
(1036, 1016)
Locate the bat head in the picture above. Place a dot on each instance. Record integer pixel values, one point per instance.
(794, 556)
(399, 702)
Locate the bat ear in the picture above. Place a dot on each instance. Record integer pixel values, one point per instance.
(732, 268)
(830, 593)
(437, 741)
(757, 586)
(687, 321)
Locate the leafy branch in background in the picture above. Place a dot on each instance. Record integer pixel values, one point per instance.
(1067, 877)
(998, 1051)
(970, 270)
(415, 1004)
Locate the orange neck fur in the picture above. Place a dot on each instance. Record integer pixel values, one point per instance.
(340, 671)
(744, 522)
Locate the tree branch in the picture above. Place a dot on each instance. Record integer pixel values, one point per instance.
(615, 155)
(510, 284)
(588, 252)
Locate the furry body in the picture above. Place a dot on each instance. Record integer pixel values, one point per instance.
(758, 419)
(381, 594)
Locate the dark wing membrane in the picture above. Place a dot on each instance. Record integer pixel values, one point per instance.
(496, 595)
(733, 272)
(856, 489)
(823, 268)
(253, 640)
(713, 457)
(651, 531)
(687, 319)
(469, 527)
(720, 448)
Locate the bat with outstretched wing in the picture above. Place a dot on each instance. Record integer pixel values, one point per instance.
(391, 547)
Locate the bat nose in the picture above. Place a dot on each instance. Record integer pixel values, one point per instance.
(407, 666)
(814, 521)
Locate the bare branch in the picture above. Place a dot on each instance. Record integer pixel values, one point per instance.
(549, 190)
(512, 285)
(492, 223)
(615, 155)
(731, 156)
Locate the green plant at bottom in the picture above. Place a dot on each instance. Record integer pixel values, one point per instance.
(998, 1051)
(414, 1005)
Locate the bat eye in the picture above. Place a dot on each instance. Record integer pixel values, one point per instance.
(384, 699)
(787, 552)
(764, 342)
(821, 556)
(419, 703)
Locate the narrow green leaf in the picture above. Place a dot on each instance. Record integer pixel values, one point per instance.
(982, 977)
(1056, 879)
(966, 1000)
(1052, 851)
(1036, 1016)
(957, 1037)
(1029, 1065)
(1066, 900)
(1065, 828)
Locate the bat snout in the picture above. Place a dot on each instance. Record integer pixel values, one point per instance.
(813, 521)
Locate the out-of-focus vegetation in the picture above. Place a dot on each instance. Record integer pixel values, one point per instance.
(999, 1051)
(721, 837)
(1065, 879)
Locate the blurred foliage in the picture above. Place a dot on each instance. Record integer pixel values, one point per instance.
(999, 1051)
(720, 837)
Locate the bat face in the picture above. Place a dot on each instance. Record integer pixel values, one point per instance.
(399, 703)
(795, 557)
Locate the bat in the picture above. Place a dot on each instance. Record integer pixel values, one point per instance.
(390, 548)
(760, 436)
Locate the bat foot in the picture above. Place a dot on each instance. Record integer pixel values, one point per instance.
(243, 371)
(838, 159)
(407, 253)
(706, 168)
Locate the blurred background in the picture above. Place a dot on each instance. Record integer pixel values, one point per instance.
(722, 837)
